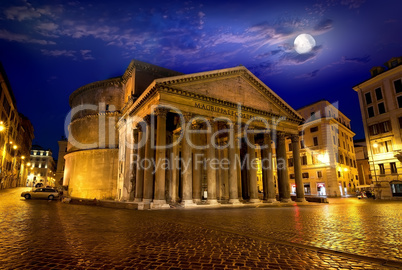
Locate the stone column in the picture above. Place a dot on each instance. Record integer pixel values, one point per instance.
(139, 184)
(268, 170)
(297, 169)
(148, 166)
(197, 164)
(174, 159)
(133, 165)
(233, 166)
(211, 170)
(283, 177)
(187, 165)
(252, 167)
(160, 158)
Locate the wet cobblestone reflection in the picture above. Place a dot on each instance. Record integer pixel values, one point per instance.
(50, 235)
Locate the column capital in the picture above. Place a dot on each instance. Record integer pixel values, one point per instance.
(281, 135)
(294, 138)
(139, 126)
(187, 116)
(197, 125)
(147, 119)
(161, 111)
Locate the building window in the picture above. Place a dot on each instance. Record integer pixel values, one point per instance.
(398, 86)
(382, 169)
(292, 176)
(383, 147)
(393, 167)
(341, 159)
(314, 129)
(386, 126)
(315, 140)
(400, 122)
(290, 162)
(314, 159)
(290, 147)
(339, 174)
(370, 111)
(396, 190)
(302, 144)
(305, 175)
(378, 93)
(380, 128)
(333, 137)
(304, 160)
(354, 163)
(368, 98)
(388, 146)
(381, 108)
(319, 174)
(399, 101)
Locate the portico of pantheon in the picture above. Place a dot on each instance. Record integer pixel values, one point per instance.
(157, 137)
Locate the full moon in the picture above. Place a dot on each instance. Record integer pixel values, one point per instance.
(304, 43)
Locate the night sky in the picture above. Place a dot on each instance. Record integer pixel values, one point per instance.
(50, 48)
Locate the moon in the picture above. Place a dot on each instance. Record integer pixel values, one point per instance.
(304, 43)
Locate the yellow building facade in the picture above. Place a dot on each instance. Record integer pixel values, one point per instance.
(327, 151)
(16, 135)
(380, 99)
(42, 167)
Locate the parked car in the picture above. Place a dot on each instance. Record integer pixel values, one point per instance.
(41, 193)
(365, 194)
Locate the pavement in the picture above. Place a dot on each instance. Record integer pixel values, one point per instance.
(344, 234)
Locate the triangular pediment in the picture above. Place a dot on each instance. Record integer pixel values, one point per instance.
(235, 85)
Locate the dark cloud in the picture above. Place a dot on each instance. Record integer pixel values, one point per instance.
(295, 58)
(358, 60)
(324, 25)
(308, 75)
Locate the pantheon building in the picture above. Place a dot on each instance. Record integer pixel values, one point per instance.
(158, 137)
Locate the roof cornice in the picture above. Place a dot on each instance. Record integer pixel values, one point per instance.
(379, 77)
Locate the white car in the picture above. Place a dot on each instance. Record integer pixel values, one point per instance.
(41, 193)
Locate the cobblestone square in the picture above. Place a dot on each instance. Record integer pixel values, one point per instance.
(345, 234)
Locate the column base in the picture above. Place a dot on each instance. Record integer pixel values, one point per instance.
(197, 201)
(270, 201)
(143, 206)
(137, 199)
(212, 202)
(301, 200)
(147, 201)
(254, 201)
(159, 204)
(286, 200)
(187, 203)
(234, 201)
